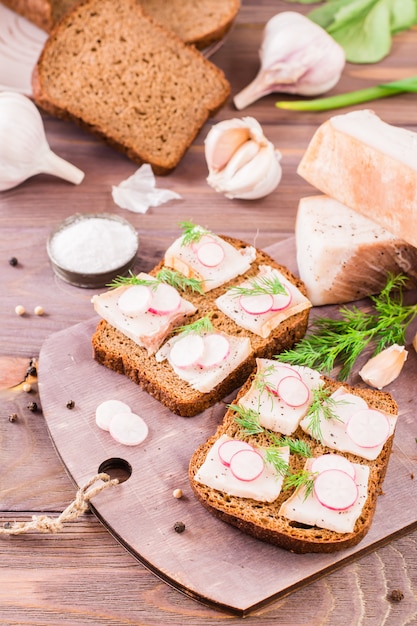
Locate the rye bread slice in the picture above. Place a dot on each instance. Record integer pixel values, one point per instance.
(262, 520)
(114, 350)
(113, 70)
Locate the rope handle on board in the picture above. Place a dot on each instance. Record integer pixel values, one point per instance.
(45, 524)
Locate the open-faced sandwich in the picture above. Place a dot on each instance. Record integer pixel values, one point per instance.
(190, 331)
(299, 459)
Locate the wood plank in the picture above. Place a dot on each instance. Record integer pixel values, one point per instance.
(141, 512)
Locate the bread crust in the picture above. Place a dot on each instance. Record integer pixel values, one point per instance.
(262, 520)
(112, 349)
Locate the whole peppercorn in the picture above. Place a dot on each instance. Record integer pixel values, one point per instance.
(32, 406)
(31, 371)
(13, 261)
(179, 527)
(177, 493)
(396, 595)
(70, 404)
(12, 417)
(38, 310)
(19, 310)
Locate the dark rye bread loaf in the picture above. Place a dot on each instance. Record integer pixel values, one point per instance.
(261, 519)
(197, 22)
(114, 350)
(120, 75)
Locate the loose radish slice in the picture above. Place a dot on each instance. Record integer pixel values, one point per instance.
(204, 239)
(246, 465)
(293, 391)
(187, 351)
(107, 409)
(335, 490)
(210, 254)
(228, 448)
(166, 299)
(128, 429)
(281, 300)
(274, 376)
(368, 428)
(256, 305)
(135, 300)
(216, 350)
(333, 461)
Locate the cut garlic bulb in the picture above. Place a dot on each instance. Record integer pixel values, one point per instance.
(242, 163)
(385, 367)
(24, 150)
(297, 56)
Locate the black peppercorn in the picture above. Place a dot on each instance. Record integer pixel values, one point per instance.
(31, 370)
(396, 595)
(32, 406)
(70, 404)
(13, 261)
(179, 527)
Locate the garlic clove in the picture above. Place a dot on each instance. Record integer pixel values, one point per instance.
(24, 150)
(297, 56)
(385, 367)
(253, 169)
(221, 144)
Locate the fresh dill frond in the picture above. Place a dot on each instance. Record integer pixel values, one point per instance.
(199, 327)
(296, 446)
(248, 419)
(179, 281)
(259, 286)
(331, 343)
(191, 233)
(322, 406)
(302, 478)
(273, 456)
(132, 279)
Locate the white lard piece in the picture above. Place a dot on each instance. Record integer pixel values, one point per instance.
(213, 473)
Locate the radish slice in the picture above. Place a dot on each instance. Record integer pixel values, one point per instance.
(256, 305)
(293, 391)
(107, 409)
(204, 239)
(210, 254)
(165, 299)
(333, 461)
(335, 490)
(135, 300)
(128, 429)
(216, 350)
(274, 376)
(368, 428)
(246, 465)
(228, 448)
(281, 300)
(187, 351)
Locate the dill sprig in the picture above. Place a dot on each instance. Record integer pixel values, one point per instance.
(321, 407)
(191, 233)
(296, 480)
(165, 275)
(332, 342)
(248, 419)
(273, 456)
(260, 285)
(296, 446)
(199, 327)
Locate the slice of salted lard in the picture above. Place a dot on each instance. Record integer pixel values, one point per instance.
(368, 165)
(343, 256)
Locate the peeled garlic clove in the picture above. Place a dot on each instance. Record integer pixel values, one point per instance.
(253, 169)
(24, 150)
(297, 56)
(385, 367)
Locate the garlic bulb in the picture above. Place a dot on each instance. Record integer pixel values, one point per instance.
(297, 56)
(24, 150)
(385, 367)
(242, 163)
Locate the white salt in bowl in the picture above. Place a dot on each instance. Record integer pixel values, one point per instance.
(90, 250)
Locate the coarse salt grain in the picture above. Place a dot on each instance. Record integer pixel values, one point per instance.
(93, 245)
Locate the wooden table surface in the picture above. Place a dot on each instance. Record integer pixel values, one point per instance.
(81, 574)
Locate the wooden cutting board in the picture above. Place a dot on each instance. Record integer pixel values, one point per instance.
(210, 561)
